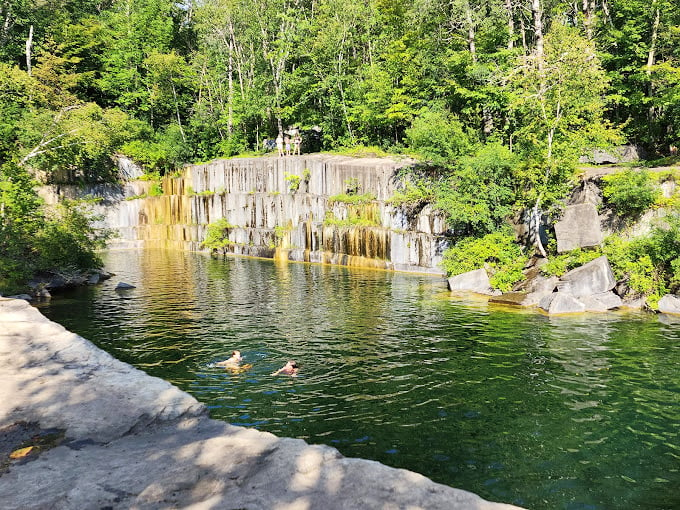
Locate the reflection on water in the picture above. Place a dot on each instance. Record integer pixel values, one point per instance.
(562, 412)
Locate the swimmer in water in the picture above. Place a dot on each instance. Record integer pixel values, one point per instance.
(290, 368)
(234, 361)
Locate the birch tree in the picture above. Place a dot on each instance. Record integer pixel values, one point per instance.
(558, 99)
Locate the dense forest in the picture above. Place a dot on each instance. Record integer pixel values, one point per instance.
(501, 96)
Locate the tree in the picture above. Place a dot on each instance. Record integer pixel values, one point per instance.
(558, 108)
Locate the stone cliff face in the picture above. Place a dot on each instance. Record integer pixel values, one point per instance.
(280, 208)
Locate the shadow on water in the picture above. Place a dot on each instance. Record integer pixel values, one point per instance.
(572, 412)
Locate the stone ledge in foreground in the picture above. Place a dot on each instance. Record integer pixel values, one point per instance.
(132, 440)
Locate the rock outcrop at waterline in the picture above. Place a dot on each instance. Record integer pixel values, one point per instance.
(279, 208)
(587, 288)
(123, 439)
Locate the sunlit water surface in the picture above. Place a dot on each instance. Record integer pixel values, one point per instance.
(574, 412)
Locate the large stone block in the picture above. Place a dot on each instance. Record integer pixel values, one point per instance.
(670, 303)
(578, 228)
(562, 302)
(601, 302)
(472, 281)
(622, 154)
(595, 277)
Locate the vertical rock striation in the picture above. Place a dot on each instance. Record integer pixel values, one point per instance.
(283, 208)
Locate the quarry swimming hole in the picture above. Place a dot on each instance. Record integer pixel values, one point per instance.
(574, 412)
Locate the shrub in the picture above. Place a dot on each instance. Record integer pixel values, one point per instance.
(217, 235)
(497, 252)
(479, 195)
(438, 136)
(631, 262)
(156, 190)
(560, 264)
(293, 181)
(68, 239)
(412, 195)
(630, 192)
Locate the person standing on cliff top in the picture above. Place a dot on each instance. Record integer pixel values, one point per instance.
(279, 143)
(297, 142)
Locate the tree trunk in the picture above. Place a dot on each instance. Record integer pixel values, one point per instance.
(651, 54)
(589, 18)
(471, 32)
(535, 227)
(537, 13)
(230, 100)
(651, 57)
(29, 44)
(179, 119)
(511, 24)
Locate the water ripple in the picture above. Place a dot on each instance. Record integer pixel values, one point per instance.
(547, 412)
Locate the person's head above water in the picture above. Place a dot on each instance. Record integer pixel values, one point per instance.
(290, 368)
(236, 356)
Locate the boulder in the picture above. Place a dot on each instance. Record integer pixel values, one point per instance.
(545, 301)
(473, 281)
(595, 277)
(25, 297)
(670, 303)
(93, 279)
(565, 302)
(637, 303)
(538, 288)
(510, 298)
(579, 227)
(42, 294)
(124, 286)
(601, 302)
(622, 154)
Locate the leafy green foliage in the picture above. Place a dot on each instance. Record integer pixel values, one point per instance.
(156, 190)
(293, 181)
(217, 235)
(558, 110)
(631, 263)
(67, 239)
(449, 81)
(559, 264)
(481, 191)
(498, 252)
(356, 215)
(413, 195)
(35, 238)
(350, 198)
(438, 136)
(161, 152)
(630, 192)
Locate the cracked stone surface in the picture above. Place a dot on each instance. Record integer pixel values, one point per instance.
(136, 441)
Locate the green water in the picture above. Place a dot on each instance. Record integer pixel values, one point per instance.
(548, 413)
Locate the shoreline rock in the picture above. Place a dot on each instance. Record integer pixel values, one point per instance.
(132, 440)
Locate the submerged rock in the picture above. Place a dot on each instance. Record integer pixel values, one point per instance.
(124, 286)
(25, 297)
(511, 298)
